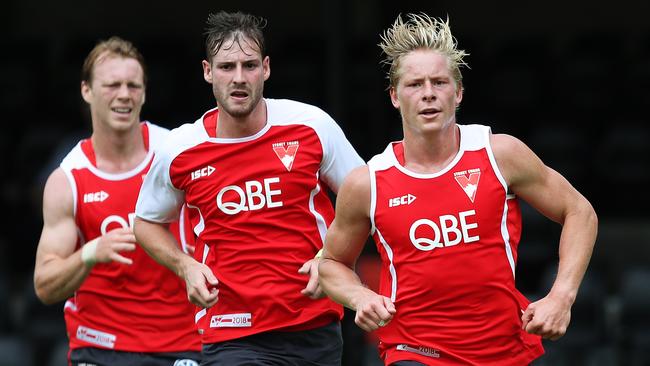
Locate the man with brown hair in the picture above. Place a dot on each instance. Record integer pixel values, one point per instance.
(122, 307)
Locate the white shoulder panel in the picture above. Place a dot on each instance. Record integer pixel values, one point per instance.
(339, 157)
(157, 135)
(474, 137)
(159, 200)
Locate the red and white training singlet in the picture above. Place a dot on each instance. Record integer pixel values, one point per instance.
(141, 307)
(264, 211)
(448, 244)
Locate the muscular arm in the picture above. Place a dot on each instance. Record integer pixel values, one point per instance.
(343, 244)
(59, 270)
(161, 245)
(552, 195)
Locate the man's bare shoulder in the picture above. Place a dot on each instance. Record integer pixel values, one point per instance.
(354, 195)
(504, 144)
(57, 194)
(358, 180)
(515, 159)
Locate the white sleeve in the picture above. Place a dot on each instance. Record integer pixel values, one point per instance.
(339, 157)
(159, 200)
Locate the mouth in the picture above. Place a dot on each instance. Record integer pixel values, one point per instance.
(429, 112)
(239, 94)
(122, 110)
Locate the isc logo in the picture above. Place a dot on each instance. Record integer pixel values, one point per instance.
(95, 197)
(203, 172)
(449, 230)
(404, 200)
(255, 195)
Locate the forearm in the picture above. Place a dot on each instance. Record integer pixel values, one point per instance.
(56, 279)
(160, 244)
(341, 283)
(576, 246)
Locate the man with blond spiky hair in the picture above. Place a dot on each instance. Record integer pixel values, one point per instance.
(442, 207)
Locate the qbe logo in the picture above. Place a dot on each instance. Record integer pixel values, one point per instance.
(254, 195)
(117, 222)
(447, 230)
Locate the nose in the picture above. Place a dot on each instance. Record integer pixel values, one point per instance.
(428, 91)
(238, 77)
(123, 91)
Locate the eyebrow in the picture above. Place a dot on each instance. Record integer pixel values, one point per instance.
(236, 61)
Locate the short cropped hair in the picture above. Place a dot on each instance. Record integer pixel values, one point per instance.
(224, 26)
(420, 32)
(114, 46)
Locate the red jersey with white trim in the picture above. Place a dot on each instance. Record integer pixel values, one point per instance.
(448, 243)
(141, 307)
(264, 211)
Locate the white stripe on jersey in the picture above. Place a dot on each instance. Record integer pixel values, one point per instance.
(391, 266)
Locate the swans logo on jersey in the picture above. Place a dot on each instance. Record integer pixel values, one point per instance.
(286, 152)
(447, 231)
(469, 184)
(241, 320)
(100, 196)
(399, 201)
(255, 195)
(203, 172)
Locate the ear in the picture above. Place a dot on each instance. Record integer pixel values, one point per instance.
(86, 92)
(393, 97)
(266, 65)
(459, 93)
(207, 71)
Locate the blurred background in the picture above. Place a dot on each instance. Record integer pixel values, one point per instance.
(569, 78)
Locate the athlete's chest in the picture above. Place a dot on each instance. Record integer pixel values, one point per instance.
(461, 205)
(279, 167)
(106, 204)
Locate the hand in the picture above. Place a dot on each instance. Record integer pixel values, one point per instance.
(201, 284)
(373, 311)
(313, 288)
(110, 245)
(548, 317)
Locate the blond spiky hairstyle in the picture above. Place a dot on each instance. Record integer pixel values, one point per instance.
(420, 32)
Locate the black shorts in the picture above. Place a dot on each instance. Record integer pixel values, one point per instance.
(321, 346)
(407, 363)
(106, 357)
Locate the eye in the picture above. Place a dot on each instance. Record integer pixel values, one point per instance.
(225, 66)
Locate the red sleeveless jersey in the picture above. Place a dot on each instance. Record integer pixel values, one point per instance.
(264, 211)
(448, 244)
(138, 308)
